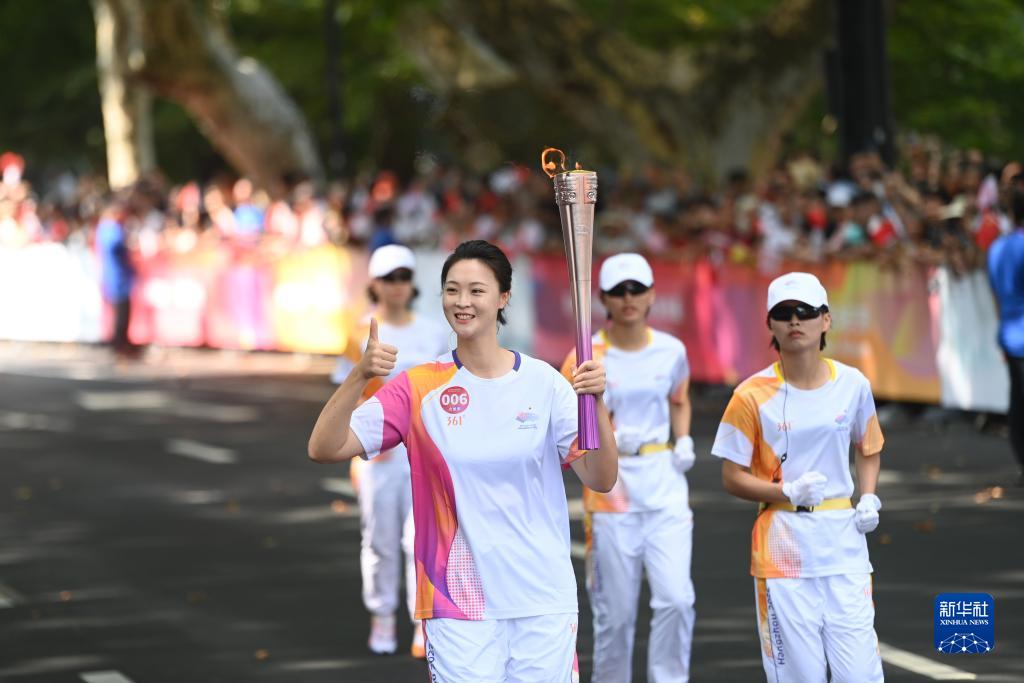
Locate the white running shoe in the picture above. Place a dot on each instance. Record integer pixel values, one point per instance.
(419, 647)
(383, 640)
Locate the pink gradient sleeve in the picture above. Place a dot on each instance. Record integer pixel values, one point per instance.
(382, 422)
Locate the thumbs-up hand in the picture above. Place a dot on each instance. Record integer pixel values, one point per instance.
(378, 359)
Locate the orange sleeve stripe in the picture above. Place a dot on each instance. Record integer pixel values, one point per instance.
(872, 442)
(744, 413)
(429, 376)
(372, 387)
(569, 364)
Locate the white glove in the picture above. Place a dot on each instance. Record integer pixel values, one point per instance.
(807, 491)
(628, 440)
(683, 455)
(867, 513)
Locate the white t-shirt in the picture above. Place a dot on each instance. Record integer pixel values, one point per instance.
(489, 505)
(780, 433)
(640, 386)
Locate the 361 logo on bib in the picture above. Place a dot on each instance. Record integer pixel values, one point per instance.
(454, 400)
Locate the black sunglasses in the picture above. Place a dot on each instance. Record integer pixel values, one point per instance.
(399, 275)
(785, 312)
(628, 287)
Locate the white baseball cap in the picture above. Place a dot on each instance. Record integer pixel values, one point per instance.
(389, 258)
(622, 267)
(802, 287)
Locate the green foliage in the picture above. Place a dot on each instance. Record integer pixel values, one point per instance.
(663, 24)
(378, 112)
(51, 109)
(958, 72)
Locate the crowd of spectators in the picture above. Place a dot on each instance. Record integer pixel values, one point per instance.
(935, 208)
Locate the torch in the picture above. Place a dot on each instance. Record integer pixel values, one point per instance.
(576, 195)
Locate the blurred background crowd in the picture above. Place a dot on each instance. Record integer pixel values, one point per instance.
(939, 207)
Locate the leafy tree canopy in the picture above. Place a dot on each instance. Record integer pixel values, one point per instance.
(955, 67)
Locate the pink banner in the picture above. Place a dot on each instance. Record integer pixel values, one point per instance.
(309, 301)
(244, 298)
(881, 321)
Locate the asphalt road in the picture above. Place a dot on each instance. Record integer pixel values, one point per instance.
(159, 521)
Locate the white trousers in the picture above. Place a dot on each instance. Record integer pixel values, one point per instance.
(385, 509)
(527, 650)
(807, 624)
(620, 548)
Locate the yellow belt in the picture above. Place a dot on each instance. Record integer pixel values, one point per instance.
(649, 449)
(827, 504)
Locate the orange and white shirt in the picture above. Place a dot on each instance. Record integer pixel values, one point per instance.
(640, 385)
(488, 499)
(780, 433)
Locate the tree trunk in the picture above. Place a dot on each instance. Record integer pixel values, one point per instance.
(187, 57)
(709, 110)
(126, 104)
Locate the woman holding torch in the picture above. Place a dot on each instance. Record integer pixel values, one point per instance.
(487, 430)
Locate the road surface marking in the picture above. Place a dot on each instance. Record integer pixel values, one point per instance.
(922, 665)
(201, 451)
(164, 402)
(343, 487)
(104, 677)
(8, 596)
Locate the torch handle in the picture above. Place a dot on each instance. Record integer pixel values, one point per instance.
(589, 434)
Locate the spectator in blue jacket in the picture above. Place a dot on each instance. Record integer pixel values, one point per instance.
(117, 274)
(1006, 271)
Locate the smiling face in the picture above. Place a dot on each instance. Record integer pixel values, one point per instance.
(472, 299)
(795, 335)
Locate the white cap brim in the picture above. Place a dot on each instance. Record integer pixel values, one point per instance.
(389, 258)
(623, 267)
(802, 287)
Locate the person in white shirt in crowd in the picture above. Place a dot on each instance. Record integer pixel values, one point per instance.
(416, 214)
(784, 441)
(383, 485)
(487, 431)
(644, 524)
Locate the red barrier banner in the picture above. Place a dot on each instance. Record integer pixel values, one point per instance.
(237, 314)
(170, 298)
(897, 326)
(237, 298)
(881, 321)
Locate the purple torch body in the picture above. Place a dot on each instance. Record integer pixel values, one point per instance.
(576, 196)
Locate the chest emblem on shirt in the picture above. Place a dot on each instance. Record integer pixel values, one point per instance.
(527, 420)
(454, 400)
(841, 422)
